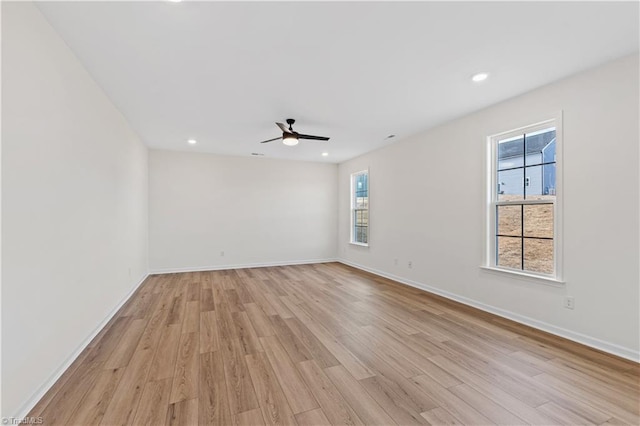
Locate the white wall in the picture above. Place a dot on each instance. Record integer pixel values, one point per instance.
(74, 206)
(259, 211)
(429, 209)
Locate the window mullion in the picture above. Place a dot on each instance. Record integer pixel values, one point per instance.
(522, 236)
(525, 202)
(524, 166)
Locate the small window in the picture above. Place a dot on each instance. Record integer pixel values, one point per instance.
(523, 211)
(360, 208)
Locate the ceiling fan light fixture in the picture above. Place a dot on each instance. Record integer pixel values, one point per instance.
(290, 140)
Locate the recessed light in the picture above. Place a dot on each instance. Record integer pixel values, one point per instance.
(325, 154)
(174, 1)
(481, 76)
(192, 141)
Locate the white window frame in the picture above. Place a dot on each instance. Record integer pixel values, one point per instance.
(554, 120)
(353, 207)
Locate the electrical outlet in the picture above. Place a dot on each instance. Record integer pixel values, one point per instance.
(222, 253)
(569, 303)
(395, 262)
(410, 264)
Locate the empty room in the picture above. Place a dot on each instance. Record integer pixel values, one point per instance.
(320, 213)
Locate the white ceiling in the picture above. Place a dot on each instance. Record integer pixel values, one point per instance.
(223, 73)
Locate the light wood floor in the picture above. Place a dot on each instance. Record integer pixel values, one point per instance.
(328, 344)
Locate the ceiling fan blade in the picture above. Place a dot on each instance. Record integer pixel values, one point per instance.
(315, 138)
(284, 128)
(271, 140)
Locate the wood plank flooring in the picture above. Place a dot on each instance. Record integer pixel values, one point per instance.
(328, 344)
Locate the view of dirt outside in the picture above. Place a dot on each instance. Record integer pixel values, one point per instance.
(361, 226)
(538, 223)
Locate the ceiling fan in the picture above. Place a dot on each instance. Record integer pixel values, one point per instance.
(290, 137)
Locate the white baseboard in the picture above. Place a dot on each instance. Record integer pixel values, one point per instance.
(239, 266)
(33, 400)
(593, 342)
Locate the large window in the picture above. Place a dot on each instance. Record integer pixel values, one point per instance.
(360, 208)
(523, 209)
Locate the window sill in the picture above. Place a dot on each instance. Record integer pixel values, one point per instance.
(523, 275)
(359, 244)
